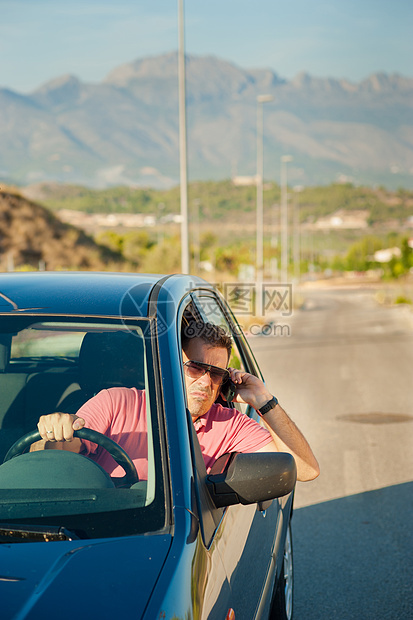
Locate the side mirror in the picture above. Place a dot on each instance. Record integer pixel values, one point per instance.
(239, 478)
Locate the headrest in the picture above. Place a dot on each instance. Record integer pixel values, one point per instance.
(5, 348)
(111, 359)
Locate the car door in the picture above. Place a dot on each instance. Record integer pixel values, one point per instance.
(243, 536)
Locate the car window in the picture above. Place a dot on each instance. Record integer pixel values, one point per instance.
(49, 365)
(205, 308)
(39, 342)
(212, 312)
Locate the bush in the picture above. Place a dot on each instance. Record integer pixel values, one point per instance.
(401, 299)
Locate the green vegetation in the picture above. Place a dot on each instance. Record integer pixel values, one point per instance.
(383, 205)
(214, 199)
(222, 199)
(113, 200)
(401, 299)
(222, 227)
(360, 256)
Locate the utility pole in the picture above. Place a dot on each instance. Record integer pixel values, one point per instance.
(183, 166)
(284, 218)
(297, 234)
(259, 261)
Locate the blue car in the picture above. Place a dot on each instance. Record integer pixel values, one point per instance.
(77, 543)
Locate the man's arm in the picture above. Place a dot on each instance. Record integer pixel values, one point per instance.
(288, 438)
(285, 434)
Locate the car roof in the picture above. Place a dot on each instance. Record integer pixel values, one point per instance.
(88, 293)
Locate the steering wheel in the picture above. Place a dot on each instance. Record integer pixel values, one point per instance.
(116, 452)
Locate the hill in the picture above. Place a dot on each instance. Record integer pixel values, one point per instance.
(222, 201)
(31, 236)
(124, 130)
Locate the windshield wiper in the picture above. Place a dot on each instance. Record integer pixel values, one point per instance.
(34, 533)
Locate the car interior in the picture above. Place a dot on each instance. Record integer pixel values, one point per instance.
(31, 386)
(48, 365)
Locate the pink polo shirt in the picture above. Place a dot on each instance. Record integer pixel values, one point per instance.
(120, 413)
(224, 430)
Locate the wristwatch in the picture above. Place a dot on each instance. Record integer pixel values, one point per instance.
(268, 406)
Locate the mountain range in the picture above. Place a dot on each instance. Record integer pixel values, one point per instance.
(124, 130)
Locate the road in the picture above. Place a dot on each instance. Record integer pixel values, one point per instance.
(345, 376)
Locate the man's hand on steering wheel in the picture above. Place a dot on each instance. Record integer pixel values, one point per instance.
(56, 431)
(114, 449)
(59, 426)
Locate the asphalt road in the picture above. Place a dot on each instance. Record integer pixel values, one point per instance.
(345, 375)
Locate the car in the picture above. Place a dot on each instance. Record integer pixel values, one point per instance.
(183, 543)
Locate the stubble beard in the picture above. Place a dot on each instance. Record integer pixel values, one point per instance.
(199, 406)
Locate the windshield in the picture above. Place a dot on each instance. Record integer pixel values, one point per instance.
(101, 370)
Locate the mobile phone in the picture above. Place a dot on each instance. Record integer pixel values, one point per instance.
(228, 390)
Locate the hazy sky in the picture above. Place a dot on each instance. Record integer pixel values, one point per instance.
(43, 39)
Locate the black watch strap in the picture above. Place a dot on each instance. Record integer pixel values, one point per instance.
(268, 406)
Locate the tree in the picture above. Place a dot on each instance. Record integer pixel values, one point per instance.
(360, 256)
(406, 258)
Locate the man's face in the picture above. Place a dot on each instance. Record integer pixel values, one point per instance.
(202, 392)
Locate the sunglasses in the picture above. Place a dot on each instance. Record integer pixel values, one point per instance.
(196, 370)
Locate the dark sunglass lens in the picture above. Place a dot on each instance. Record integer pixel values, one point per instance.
(193, 370)
(196, 370)
(218, 375)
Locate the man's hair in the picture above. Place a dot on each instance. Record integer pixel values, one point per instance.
(212, 335)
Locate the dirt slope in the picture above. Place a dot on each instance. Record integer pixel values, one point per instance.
(30, 235)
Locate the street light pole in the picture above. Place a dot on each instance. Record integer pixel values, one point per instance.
(183, 166)
(297, 234)
(196, 236)
(259, 259)
(284, 218)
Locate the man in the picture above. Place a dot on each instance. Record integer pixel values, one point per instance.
(220, 429)
(120, 413)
